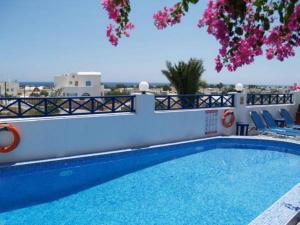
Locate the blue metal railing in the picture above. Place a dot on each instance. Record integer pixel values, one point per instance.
(269, 99)
(64, 106)
(176, 102)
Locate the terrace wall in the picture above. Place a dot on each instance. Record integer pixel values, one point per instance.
(51, 137)
(244, 109)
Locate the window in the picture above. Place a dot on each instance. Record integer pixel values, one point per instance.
(88, 83)
(70, 82)
(76, 83)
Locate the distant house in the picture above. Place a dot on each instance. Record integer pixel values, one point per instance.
(211, 91)
(9, 88)
(79, 84)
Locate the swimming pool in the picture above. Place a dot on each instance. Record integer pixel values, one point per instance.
(215, 181)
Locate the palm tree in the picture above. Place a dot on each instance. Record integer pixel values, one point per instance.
(185, 77)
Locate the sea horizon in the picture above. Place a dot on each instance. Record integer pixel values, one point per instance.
(114, 83)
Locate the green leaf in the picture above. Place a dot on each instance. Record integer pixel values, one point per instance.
(185, 5)
(239, 31)
(256, 16)
(289, 11)
(230, 26)
(266, 23)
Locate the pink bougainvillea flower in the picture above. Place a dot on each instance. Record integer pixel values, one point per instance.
(115, 10)
(243, 30)
(295, 87)
(168, 16)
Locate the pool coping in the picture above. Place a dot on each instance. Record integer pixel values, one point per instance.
(285, 211)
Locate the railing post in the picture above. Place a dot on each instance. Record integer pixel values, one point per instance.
(45, 106)
(113, 103)
(209, 101)
(197, 102)
(249, 99)
(233, 100)
(261, 99)
(70, 105)
(222, 100)
(132, 98)
(169, 102)
(19, 107)
(92, 105)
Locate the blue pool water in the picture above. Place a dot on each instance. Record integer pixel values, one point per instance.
(215, 185)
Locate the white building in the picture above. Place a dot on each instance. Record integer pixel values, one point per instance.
(79, 84)
(9, 88)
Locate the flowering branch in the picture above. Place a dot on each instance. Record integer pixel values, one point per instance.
(173, 15)
(245, 29)
(118, 11)
(295, 87)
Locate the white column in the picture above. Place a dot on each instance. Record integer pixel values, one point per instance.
(295, 107)
(296, 98)
(240, 103)
(144, 104)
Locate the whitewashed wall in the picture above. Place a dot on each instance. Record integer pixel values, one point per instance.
(244, 110)
(72, 135)
(52, 137)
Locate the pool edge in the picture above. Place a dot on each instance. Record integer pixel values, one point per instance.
(283, 212)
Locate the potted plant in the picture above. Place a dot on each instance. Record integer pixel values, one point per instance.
(298, 115)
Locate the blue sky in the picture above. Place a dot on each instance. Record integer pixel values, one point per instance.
(43, 38)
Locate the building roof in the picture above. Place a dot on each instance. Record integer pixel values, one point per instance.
(88, 73)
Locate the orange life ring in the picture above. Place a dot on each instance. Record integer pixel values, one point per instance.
(228, 123)
(16, 138)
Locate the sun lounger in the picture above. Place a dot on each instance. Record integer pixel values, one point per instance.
(261, 127)
(288, 119)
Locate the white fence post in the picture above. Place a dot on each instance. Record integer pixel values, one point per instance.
(296, 98)
(240, 103)
(144, 104)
